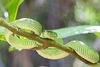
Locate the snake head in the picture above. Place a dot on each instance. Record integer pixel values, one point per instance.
(49, 34)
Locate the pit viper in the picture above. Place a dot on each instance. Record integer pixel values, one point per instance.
(33, 26)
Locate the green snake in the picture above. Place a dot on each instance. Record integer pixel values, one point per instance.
(33, 26)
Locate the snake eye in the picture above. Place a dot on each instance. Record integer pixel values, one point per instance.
(53, 34)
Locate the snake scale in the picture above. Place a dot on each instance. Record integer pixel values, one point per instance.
(35, 27)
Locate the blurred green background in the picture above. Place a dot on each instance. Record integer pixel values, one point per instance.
(52, 14)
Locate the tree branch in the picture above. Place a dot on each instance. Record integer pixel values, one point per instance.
(46, 42)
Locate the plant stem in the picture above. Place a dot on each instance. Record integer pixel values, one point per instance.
(46, 42)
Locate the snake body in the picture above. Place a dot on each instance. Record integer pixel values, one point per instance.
(27, 24)
(83, 50)
(23, 43)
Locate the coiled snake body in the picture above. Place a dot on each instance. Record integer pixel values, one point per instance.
(27, 24)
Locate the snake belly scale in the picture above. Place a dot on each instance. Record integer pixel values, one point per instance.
(51, 52)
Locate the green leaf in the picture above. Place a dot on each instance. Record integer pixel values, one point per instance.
(2, 34)
(13, 8)
(76, 30)
(2, 37)
(5, 2)
(97, 34)
(11, 49)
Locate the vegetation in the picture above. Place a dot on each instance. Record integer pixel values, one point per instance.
(85, 14)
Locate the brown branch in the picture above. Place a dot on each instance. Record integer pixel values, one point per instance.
(46, 42)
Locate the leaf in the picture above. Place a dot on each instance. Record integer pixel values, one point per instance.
(2, 34)
(97, 34)
(11, 49)
(5, 2)
(13, 8)
(2, 37)
(76, 30)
